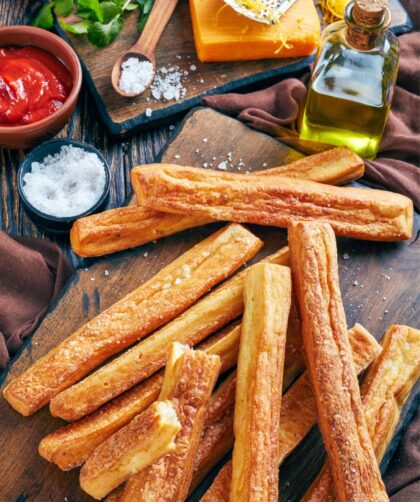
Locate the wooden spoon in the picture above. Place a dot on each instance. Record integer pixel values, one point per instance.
(144, 48)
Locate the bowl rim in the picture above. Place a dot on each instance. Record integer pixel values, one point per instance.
(77, 77)
(64, 219)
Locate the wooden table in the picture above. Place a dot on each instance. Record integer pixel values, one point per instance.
(84, 125)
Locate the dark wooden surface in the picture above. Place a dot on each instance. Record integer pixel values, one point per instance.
(376, 282)
(379, 282)
(176, 47)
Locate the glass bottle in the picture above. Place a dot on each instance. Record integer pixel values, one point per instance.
(351, 87)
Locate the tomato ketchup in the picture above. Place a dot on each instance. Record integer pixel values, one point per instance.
(33, 85)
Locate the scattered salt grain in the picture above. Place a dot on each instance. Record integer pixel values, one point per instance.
(346, 256)
(67, 183)
(177, 156)
(171, 127)
(205, 140)
(135, 75)
(222, 166)
(106, 273)
(193, 67)
(167, 84)
(148, 112)
(146, 254)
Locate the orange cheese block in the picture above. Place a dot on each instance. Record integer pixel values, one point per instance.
(221, 34)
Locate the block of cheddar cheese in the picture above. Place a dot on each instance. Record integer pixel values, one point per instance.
(221, 34)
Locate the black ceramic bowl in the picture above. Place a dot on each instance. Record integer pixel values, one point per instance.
(55, 224)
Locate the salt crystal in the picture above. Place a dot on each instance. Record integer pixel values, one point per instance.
(193, 67)
(171, 127)
(146, 254)
(148, 112)
(177, 156)
(67, 183)
(346, 256)
(205, 164)
(135, 75)
(106, 272)
(222, 166)
(205, 140)
(167, 84)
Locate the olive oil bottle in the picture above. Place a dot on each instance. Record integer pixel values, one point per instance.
(351, 87)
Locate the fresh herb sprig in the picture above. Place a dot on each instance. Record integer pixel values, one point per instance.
(101, 20)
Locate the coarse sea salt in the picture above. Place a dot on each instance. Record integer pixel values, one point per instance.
(135, 75)
(67, 183)
(167, 85)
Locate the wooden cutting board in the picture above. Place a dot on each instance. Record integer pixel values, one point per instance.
(176, 47)
(377, 281)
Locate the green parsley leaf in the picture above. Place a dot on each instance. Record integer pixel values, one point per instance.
(147, 7)
(131, 6)
(92, 7)
(104, 34)
(77, 28)
(109, 10)
(45, 18)
(63, 7)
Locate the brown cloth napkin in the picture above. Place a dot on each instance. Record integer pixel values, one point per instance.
(32, 273)
(402, 478)
(277, 110)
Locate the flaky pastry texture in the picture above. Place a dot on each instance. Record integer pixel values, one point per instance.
(188, 382)
(143, 441)
(313, 255)
(273, 200)
(154, 303)
(298, 409)
(130, 226)
(267, 297)
(385, 388)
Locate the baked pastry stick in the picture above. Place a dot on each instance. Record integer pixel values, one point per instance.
(188, 382)
(298, 410)
(124, 228)
(385, 388)
(154, 303)
(143, 441)
(341, 419)
(217, 437)
(273, 200)
(70, 446)
(130, 226)
(204, 318)
(267, 297)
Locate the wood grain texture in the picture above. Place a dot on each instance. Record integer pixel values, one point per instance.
(376, 282)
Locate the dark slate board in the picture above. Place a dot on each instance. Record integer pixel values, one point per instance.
(177, 40)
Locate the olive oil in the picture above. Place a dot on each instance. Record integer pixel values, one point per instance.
(351, 87)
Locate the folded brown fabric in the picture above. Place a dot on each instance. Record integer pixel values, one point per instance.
(402, 478)
(277, 111)
(32, 273)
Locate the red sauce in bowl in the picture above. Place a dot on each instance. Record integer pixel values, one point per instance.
(33, 85)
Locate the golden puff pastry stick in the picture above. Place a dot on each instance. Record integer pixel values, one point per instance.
(385, 388)
(154, 303)
(217, 437)
(143, 441)
(273, 200)
(204, 318)
(267, 297)
(189, 379)
(313, 255)
(298, 409)
(69, 446)
(126, 227)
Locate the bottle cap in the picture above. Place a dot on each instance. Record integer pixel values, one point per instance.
(369, 12)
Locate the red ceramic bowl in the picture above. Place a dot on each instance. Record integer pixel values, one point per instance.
(27, 136)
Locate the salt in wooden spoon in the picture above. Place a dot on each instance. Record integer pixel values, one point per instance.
(144, 48)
